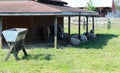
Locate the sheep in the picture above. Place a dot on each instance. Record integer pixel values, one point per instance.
(91, 35)
(83, 38)
(74, 40)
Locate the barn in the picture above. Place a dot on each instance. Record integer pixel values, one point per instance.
(37, 17)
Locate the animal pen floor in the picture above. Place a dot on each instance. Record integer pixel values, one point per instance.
(41, 45)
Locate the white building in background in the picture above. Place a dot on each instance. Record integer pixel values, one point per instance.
(103, 7)
(83, 3)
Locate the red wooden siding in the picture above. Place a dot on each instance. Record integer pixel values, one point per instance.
(33, 23)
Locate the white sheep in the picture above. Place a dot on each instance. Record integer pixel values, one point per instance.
(74, 40)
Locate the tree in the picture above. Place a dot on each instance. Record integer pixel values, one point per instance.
(117, 3)
(90, 6)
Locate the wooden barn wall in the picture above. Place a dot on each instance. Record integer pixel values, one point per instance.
(33, 23)
(17, 22)
(40, 23)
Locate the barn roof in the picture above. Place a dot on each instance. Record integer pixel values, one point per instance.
(35, 8)
(67, 10)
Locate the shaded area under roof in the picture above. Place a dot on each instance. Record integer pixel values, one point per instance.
(60, 1)
(35, 8)
(53, 2)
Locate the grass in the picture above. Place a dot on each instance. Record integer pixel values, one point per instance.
(100, 55)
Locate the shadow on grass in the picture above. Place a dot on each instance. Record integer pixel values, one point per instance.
(37, 57)
(99, 42)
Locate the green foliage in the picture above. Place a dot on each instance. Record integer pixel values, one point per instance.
(90, 6)
(117, 4)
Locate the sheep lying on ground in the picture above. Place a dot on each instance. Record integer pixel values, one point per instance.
(91, 36)
(83, 38)
(74, 40)
(75, 36)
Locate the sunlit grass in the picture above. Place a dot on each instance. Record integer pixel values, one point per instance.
(100, 55)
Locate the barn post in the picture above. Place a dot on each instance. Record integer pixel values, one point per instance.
(32, 23)
(55, 33)
(79, 26)
(87, 24)
(93, 23)
(69, 23)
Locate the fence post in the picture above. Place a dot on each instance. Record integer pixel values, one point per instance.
(109, 24)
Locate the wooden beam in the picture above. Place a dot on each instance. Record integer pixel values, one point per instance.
(1, 23)
(79, 19)
(9, 52)
(31, 31)
(87, 24)
(93, 24)
(69, 23)
(55, 33)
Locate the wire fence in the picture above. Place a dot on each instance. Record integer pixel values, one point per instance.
(100, 22)
(106, 22)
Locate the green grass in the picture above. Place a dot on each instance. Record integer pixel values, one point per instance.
(100, 55)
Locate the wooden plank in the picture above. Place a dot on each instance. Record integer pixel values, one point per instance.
(79, 26)
(55, 32)
(15, 53)
(87, 24)
(93, 24)
(24, 51)
(9, 52)
(69, 23)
